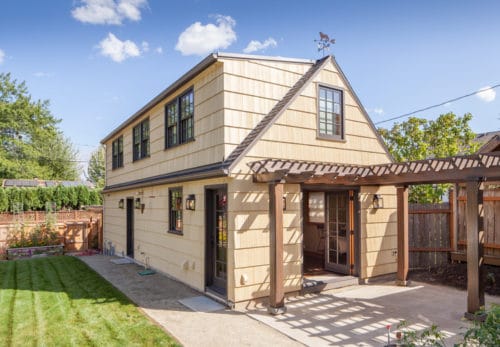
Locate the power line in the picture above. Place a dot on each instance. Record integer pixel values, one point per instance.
(438, 105)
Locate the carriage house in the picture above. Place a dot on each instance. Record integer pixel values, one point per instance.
(227, 180)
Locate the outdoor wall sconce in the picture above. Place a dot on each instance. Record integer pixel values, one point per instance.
(378, 201)
(121, 203)
(284, 203)
(138, 203)
(191, 202)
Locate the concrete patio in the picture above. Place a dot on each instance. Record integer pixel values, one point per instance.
(351, 316)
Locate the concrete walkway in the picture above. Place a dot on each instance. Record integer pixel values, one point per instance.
(352, 316)
(158, 297)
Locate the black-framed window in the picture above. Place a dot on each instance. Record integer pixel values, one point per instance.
(117, 153)
(330, 113)
(175, 210)
(140, 136)
(179, 120)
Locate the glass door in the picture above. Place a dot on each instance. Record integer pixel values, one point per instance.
(338, 233)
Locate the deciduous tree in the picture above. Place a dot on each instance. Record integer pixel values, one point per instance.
(417, 139)
(31, 145)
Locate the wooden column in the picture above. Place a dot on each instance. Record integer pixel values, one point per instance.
(277, 290)
(475, 245)
(454, 218)
(403, 252)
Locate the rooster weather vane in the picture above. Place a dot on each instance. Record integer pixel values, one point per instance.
(324, 42)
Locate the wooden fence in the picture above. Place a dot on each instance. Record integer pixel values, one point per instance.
(433, 238)
(78, 230)
(430, 234)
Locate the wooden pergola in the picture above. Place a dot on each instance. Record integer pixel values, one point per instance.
(469, 169)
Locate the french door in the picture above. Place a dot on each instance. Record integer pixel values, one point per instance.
(339, 248)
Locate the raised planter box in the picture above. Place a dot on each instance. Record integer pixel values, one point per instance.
(28, 252)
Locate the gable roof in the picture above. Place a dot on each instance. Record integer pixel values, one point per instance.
(257, 132)
(223, 168)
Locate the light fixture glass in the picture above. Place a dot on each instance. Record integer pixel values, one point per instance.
(191, 202)
(378, 201)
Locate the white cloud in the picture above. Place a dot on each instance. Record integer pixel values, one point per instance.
(108, 11)
(2, 56)
(41, 74)
(201, 39)
(487, 94)
(255, 45)
(378, 110)
(145, 46)
(159, 50)
(118, 50)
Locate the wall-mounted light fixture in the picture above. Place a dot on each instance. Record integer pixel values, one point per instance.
(378, 201)
(121, 203)
(138, 203)
(284, 203)
(191, 202)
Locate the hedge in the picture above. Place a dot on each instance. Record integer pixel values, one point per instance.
(13, 199)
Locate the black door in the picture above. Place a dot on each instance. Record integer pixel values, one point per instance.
(130, 227)
(216, 236)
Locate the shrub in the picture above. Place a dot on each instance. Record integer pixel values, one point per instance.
(42, 235)
(485, 333)
(15, 199)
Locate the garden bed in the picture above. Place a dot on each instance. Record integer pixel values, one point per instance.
(28, 252)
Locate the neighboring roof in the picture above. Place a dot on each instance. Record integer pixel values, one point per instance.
(205, 63)
(490, 142)
(10, 182)
(443, 170)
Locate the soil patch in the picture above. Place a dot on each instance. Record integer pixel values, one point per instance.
(455, 275)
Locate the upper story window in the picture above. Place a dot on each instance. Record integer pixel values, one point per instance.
(179, 120)
(330, 113)
(175, 210)
(117, 149)
(140, 135)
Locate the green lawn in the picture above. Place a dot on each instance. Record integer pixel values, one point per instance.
(60, 301)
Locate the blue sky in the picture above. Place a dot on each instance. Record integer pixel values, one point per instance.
(99, 61)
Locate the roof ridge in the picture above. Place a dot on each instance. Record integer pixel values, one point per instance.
(275, 112)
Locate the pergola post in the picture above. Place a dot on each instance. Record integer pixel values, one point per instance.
(403, 247)
(277, 290)
(475, 246)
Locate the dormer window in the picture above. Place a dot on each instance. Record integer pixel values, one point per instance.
(330, 113)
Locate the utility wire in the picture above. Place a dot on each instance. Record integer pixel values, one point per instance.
(437, 105)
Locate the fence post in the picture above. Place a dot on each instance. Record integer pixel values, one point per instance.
(453, 199)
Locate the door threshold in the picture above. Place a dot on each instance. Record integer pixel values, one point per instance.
(316, 284)
(217, 297)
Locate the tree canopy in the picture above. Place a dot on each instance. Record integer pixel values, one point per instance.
(418, 138)
(31, 145)
(96, 169)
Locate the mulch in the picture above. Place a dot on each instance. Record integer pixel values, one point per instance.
(455, 275)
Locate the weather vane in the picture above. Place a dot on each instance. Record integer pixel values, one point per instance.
(324, 42)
